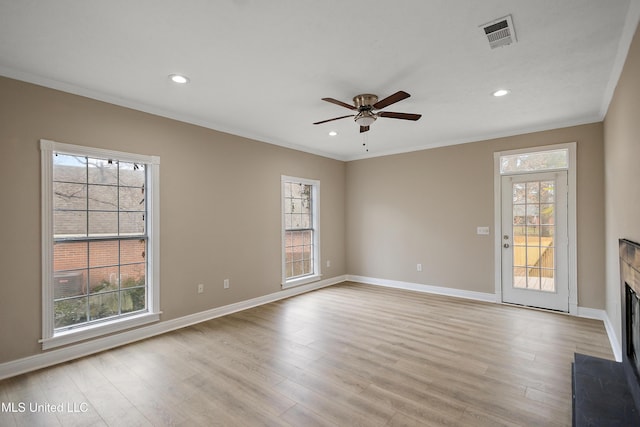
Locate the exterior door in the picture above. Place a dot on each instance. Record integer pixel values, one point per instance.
(534, 240)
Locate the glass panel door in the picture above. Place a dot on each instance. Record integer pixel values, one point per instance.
(534, 240)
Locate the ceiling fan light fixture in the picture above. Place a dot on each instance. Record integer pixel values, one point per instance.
(365, 118)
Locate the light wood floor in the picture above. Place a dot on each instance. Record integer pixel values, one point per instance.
(347, 355)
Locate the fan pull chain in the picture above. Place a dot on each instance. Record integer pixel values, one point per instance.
(365, 141)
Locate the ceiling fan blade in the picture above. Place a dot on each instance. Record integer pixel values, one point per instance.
(391, 99)
(403, 116)
(342, 104)
(330, 120)
(364, 129)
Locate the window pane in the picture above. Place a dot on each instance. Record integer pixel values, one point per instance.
(547, 191)
(519, 255)
(547, 258)
(519, 277)
(547, 214)
(103, 198)
(288, 269)
(69, 283)
(547, 231)
(132, 275)
(296, 206)
(70, 256)
(132, 174)
(533, 256)
(306, 235)
(69, 196)
(131, 223)
(533, 192)
(132, 251)
(104, 305)
(69, 168)
(546, 273)
(533, 278)
(131, 199)
(298, 269)
(133, 300)
(518, 193)
(103, 279)
(305, 221)
(306, 207)
(70, 312)
(69, 224)
(103, 253)
(538, 161)
(102, 171)
(103, 224)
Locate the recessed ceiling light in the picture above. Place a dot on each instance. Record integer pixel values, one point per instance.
(179, 78)
(333, 133)
(500, 92)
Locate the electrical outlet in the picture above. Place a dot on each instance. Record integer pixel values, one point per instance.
(226, 283)
(419, 267)
(328, 263)
(200, 288)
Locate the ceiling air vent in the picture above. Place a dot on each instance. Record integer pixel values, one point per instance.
(500, 32)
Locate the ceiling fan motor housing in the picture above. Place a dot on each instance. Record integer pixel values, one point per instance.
(365, 101)
(364, 104)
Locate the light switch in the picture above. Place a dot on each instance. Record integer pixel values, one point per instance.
(483, 231)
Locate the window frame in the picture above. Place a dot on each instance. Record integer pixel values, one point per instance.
(315, 226)
(51, 338)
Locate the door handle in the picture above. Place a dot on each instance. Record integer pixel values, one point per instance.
(506, 245)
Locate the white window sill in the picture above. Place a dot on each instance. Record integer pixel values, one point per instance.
(99, 329)
(301, 281)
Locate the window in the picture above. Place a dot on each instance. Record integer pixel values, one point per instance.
(100, 241)
(300, 252)
(534, 161)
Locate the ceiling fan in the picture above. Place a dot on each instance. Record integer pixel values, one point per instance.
(367, 106)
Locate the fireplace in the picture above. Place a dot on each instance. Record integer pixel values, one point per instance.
(630, 291)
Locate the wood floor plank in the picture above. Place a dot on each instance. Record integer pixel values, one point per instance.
(346, 355)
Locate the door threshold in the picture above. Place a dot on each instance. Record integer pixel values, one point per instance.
(530, 307)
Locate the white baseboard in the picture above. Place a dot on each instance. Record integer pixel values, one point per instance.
(459, 293)
(49, 358)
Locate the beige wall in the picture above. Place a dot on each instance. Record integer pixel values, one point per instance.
(220, 204)
(424, 207)
(622, 178)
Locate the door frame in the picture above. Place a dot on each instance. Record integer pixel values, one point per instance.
(572, 266)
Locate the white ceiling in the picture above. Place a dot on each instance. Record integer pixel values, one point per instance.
(260, 68)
